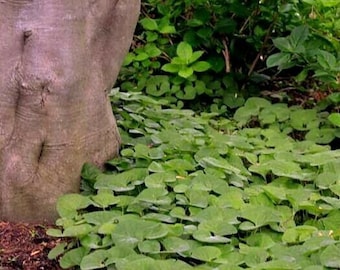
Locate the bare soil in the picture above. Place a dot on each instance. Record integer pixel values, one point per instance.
(25, 247)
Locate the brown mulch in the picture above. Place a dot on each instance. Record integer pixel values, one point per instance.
(25, 247)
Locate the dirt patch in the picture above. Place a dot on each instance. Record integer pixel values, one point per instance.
(25, 247)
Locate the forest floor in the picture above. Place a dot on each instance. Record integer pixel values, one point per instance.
(25, 247)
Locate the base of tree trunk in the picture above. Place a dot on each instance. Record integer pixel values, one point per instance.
(59, 60)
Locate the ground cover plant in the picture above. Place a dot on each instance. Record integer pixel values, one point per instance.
(199, 191)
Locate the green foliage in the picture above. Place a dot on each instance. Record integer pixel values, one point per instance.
(301, 49)
(219, 52)
(202, 192)
(185, 63)
(319, 127)
(259, 190)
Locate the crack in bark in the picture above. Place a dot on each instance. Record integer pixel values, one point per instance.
(45, 91)
(42, 148)
(16, 2)
(27, 34)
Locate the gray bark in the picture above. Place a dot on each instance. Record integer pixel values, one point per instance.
(58, 60)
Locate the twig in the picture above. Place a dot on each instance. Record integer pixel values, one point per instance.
(246, 22)
(264, 44)
(244, 25)
(226, 57)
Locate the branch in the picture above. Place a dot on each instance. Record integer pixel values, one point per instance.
(226, 57)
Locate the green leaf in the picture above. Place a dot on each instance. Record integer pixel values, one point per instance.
(159, 180)
(331, 221)
(167, 29)
(121, 182)
(334, 98)
(179, 165)
(179, 212)
(260, 215)
(218, 163)
(278, 264)
(205, 236)
(189, 93)
(298, 36)
(156, 167)
(275, 193)
(116, 253)
(206, 253)
(156, 153)
(198, 198)
(195, 56)
(258, 103)
(278, 59)
(321, 136)
(184, 51)
(67, 205)
(149, 24)
(154, 196)
(298, 234)
(131, 231)
(54, 232)
(57, 251)
(101, 217)
(139, 262)
(149, 246)
(77, 230)
(317, 243)
(321, 158)
(91, 241)
(334, 118)
(200, 66)
(157, 86)
(283, 44)
(175, 245)
(151, 36)
(231, 198)
(326, 179)
(216, 214)
(302, 75)
(179, 61)
(107, 228)
(105, 198)
(326, 60)
(230, 259)
(141, 56)
(89, 172)
(128, 59)
(285, 168)
(336, 189)
(160, 217)
(244, 114)
(261, 239)
(94, 260)
(171, 68)
(185, 72)
(73, 257)
(253, 255)
(330, 257)
(304, 119)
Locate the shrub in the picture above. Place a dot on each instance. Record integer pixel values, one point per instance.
(231, 41)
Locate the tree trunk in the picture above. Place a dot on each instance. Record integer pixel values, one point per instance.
(58, 60)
